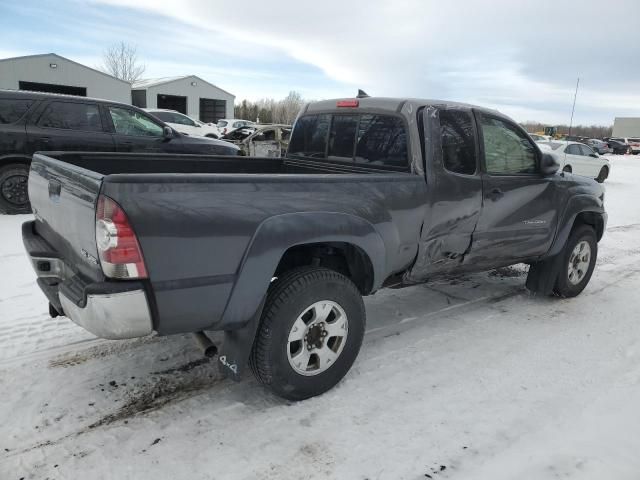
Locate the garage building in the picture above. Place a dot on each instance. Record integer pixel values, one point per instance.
(626, 127)
(55, 74)
(189, 94)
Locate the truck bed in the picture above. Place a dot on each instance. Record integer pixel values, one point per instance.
(210, 227)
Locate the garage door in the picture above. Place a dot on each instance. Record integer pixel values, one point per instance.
(212, 110)
(51, 88)
(172, 102)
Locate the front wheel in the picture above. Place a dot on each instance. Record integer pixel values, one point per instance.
(310, 333)
(14, 197)
(578, 261)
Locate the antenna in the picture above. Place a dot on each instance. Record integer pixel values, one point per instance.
(574, 105)
(573, 109)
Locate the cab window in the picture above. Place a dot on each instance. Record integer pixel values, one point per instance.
(458, 142)
(507, 150)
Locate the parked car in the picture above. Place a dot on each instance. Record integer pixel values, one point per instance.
(263, 141)
(228, 125)
(619, 147)
(578, 158)
(278, 252)
(184, 124)
(32, 122)
(599, 146)
(632, 142)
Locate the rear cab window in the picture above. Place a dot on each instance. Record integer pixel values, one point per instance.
(364, 139)
(12, 110)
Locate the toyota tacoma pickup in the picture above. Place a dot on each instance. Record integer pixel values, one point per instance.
(278, 252)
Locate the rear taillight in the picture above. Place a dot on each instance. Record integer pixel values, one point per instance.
(118, 247)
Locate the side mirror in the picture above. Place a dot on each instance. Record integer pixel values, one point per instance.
(594, 155)
(548, 164)
(167, 132)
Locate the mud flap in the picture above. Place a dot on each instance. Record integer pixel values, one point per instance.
(542, 275)
(237, 345)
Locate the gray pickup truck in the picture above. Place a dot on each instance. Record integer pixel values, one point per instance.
(278, 252)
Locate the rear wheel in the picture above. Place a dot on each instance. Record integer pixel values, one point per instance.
(578, 261)
(310, 333)
(602, 176)
(14, 197)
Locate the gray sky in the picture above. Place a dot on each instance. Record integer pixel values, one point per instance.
(522, 58)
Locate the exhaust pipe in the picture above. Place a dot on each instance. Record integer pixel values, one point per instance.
(206, 345)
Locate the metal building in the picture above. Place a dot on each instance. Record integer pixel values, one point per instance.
(189, 94)
(52, 73)
(626, 127)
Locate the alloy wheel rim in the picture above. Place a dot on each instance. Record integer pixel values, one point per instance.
(579, 262)
(14, 189)
(317, 338)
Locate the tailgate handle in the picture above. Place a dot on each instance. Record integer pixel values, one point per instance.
(55, 187)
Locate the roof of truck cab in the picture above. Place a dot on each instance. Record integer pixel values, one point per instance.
(387, 103)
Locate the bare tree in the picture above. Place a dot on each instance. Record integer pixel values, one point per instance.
(268, 110)
(121, 61)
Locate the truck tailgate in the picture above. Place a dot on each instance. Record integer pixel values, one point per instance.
(63, 197)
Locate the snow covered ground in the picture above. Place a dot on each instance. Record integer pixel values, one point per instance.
(462, 379)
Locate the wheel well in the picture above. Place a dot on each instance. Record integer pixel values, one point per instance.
(345, 258)
(567, 168)
(590, 218)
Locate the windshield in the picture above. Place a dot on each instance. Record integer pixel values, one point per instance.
(222, 123)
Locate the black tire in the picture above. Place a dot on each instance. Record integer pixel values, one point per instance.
(567, 168)
(602, 176)
(287, 299)
(564, 287)
(14, 198)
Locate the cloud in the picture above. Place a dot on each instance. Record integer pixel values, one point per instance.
(521, 57)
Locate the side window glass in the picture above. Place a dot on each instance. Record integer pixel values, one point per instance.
(71, 116)
(382, 140)
(586, 151)
(132, 123)
(458, 142)
(184, 120)
(13, 110)
(342, 136)
(573, 150)
(309, 136)
(507, 150)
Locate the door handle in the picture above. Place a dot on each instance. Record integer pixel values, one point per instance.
(495, 194)
(45, 139)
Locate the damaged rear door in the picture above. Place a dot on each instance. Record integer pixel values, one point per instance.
(454, 189)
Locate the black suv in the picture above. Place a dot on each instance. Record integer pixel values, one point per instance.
(31, 122)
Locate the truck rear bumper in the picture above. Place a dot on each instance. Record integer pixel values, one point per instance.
(113, 310)
(113, 316)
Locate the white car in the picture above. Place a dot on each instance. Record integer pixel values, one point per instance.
(227, 125)
(578, 158)
(184, 124)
